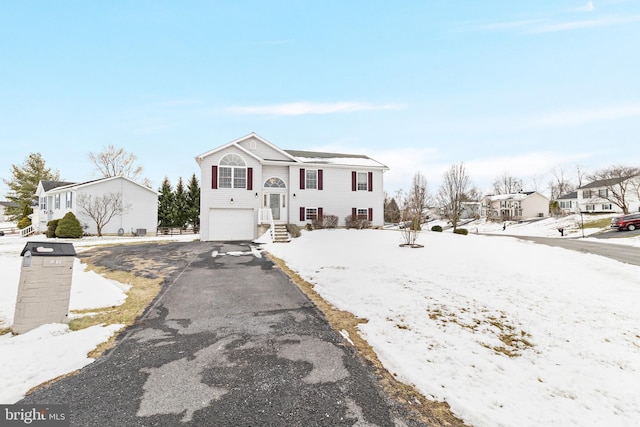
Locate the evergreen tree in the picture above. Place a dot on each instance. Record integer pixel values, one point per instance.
(193, 203)
(69, 226)
(181, 207)
(392, 211)
(166, 205)
(24, 182)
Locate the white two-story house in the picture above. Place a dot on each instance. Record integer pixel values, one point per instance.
(605, 195)
(515, 206)
(56, 198)
(250, 184)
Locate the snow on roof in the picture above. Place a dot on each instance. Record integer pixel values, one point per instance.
(334, 158)
(513, 196)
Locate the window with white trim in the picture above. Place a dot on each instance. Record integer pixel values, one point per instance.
(43, 203)
(362, 213)
(311, 213)
(311, 179)
(57, 201)
(363, 181)
(232, 172)
(604, 193)
(591, 207)
(606, 207)
(68, 199)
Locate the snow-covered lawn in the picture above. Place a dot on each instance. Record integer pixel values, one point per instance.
(508, 332)
(52, 350)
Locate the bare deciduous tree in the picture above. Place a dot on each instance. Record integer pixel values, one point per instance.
(559, 184)
(112, 161)
(453, 192)
(102, 209)
(618, 183)
(418, 198)
(506, 184)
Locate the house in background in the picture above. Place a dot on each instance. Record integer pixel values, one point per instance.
(597, 196)
(568, 204)
(249, 185)
(514, 207)
(56, 198)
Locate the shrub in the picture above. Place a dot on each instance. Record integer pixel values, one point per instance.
(51, 227)
(308, 227)
(24, 222)
(293, 230)
(326, 221)
(437, 228)
(353, 221)
(69, 226)
(462, 231)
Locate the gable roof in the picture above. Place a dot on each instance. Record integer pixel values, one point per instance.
(300, 156)
(236, 143)
(608, 182)
(50, 185)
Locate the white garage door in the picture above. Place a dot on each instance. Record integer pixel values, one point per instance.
(231, 224)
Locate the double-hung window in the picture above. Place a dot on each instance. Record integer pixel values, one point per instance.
(311, 179)
(57, 200)
(68, 199)
(311, 214)
(363, 181)
(362, 213)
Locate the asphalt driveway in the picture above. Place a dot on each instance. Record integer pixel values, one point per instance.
(230, 341)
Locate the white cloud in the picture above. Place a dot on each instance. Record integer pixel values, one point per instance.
(589, 7)
(305, 108)
(578, 25)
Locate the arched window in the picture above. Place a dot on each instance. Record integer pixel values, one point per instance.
(232, 172)
(274, 182)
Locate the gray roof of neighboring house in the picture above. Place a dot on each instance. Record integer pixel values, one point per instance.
(8, 204)
(572, 195)
(50, 185)
(608, 182)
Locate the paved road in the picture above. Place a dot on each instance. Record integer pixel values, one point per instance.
(230, 342)
(623, 253)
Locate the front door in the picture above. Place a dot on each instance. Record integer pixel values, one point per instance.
(274, 204)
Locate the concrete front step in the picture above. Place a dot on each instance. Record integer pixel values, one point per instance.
(280, 234)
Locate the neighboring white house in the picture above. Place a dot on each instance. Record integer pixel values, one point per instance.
(56, 198)
(599, 196)
(250, 182)
(516, 206)
(568, 203)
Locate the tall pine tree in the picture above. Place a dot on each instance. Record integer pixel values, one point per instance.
(181, 208)
(193, 203)
(24, 182)
(166, 205)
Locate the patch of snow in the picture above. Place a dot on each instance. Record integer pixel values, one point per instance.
(507, 332)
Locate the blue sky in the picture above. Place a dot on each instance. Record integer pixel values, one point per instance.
(504, 86)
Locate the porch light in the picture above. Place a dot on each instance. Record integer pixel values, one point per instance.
(256, 195)
(294, 195)
(231, 200)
